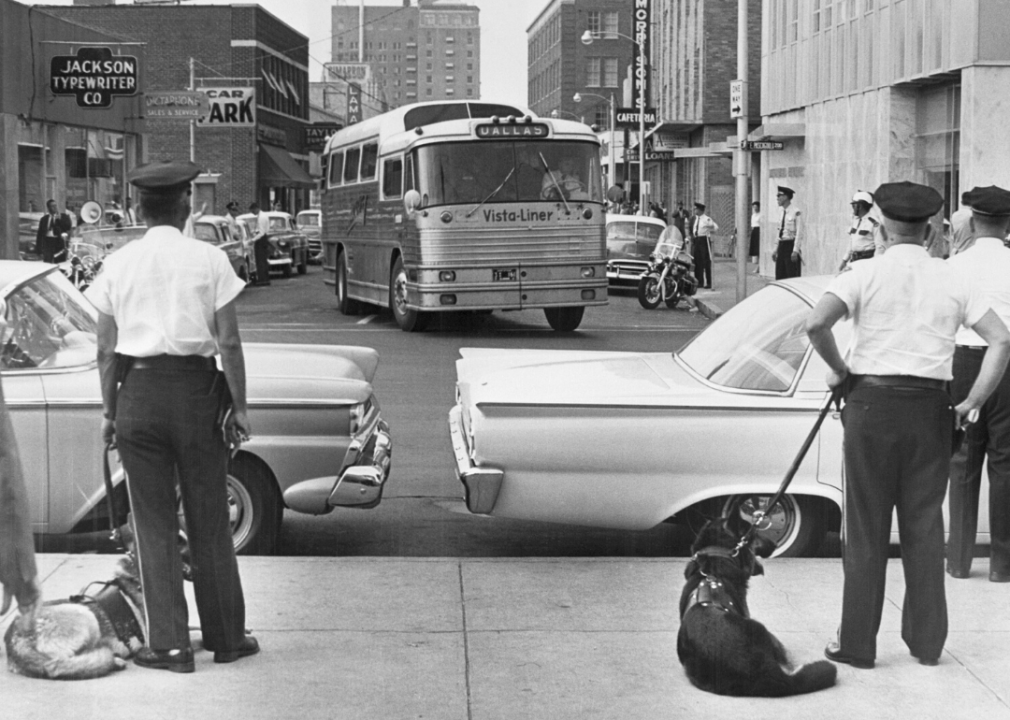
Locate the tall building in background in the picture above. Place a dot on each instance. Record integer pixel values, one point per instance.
(404, 54)
(561, 66)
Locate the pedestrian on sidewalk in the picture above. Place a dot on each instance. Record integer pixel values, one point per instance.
(755, 232)
(261, 245)
(961, 233)
(166, 308)
(680, 219)
(788, 256)
(864, 231)
(906, 308)
(986, 264)
(701, 245)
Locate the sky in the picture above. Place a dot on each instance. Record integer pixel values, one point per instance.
(503, 36)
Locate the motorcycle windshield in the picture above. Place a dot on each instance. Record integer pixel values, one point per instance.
(670, 244)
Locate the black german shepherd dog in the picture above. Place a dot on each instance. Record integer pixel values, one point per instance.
(722, 649)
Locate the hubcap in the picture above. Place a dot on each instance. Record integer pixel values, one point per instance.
(780, 524)
(400, 294)
(240, 513)
(652, 291)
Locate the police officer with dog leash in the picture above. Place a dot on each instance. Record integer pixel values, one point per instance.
(899, 420)
(166, 308)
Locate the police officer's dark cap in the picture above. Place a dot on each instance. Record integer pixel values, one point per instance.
(700, 206)
(163, 176)
(907, 201)
(787, 191)
(992, 201)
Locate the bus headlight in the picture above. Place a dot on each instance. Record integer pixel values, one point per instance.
(447, 276)
(588, 272)
(446, 216)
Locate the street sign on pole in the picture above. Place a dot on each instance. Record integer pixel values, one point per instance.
(737, 99)
(762, 145)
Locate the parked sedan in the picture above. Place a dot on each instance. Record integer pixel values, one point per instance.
(286, 242)
(630, 242)
(310, 222)
(216, 230)
(630, 440)
(319, 441)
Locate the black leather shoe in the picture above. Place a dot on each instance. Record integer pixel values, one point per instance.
(247, 647)
(179, 660)
(999, 577)
(928, 662)
(834, 653)
(957, 573)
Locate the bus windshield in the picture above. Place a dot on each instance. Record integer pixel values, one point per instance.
(508, 171)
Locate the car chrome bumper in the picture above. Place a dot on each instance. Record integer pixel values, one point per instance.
(360, 482)
(481, 484)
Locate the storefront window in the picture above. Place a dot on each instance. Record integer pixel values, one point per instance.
(938, 141)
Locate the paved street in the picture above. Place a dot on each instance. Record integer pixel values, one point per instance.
(422, 512)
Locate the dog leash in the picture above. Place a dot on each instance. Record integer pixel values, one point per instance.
(759, 520)
(110, 501)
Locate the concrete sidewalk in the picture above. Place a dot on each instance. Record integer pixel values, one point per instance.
(508, 639)
(713, 303)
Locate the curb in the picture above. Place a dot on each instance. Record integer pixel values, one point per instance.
(709, 310)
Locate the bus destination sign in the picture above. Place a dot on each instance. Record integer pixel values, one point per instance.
(495, 131)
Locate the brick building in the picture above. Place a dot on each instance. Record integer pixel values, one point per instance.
(50, 146)
(694, 52)
(406, 54)
(231, 46)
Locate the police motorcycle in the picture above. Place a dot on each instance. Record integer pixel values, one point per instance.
(80, 262)
(671, 272)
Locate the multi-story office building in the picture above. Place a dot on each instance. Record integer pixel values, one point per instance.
(409, 53)
(862, 92)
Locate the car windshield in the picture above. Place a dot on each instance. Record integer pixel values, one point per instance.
(278, 223)
(308, 219)
(757, 345)
(625, 231)
(205, 232)
(508, 171)
(49, 324)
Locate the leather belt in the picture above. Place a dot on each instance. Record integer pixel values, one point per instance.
(190, 363)
(898, 381)
(972, 348)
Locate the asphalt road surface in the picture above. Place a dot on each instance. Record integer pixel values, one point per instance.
(422, 512)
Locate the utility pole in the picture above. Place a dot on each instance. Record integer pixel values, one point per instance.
(741, 157)
(192, 123)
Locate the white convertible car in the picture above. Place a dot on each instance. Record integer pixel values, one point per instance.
(630, 440)
(318, 438)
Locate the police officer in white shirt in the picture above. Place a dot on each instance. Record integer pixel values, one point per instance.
(906, 308)
(864, 231)
(702, 229)
(788, 255)
(986, 264)
(166, 308)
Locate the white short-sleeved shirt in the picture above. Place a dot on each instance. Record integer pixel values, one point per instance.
(986, 265)
(163, 291)
(906, 308)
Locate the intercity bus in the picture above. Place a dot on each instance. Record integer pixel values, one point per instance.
(465, 206)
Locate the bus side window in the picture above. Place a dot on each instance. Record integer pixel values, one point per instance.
(408, 177)
(351, 165)
(369, 161)
(336, 168)
(392, 177)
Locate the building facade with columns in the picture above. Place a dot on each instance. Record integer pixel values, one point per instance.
(862, 92)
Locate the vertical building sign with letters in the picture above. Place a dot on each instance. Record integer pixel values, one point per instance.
(643, 64)
(353, 103)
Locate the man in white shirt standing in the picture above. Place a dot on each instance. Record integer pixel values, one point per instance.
(788, 255)
(702, 229)
(986, 264)
(906, 308)
(166, 308)
(261, 245)
(961, 235)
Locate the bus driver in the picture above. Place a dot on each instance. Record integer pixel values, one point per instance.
(566, 178)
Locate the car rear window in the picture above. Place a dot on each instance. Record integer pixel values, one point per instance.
(759, 344)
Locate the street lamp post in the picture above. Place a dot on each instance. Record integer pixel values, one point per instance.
(612, 165)
(587, 39)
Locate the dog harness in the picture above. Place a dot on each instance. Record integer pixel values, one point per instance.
(125, 617)
(710, 591)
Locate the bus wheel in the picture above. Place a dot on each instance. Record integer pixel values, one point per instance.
(408, 320)
(347, 305)
(564, 319)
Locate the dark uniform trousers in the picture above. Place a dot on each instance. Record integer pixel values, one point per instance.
(702, 247)
(261, 252)
(990, 435)
(168, 421)
(897, 455)
(784, 265)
